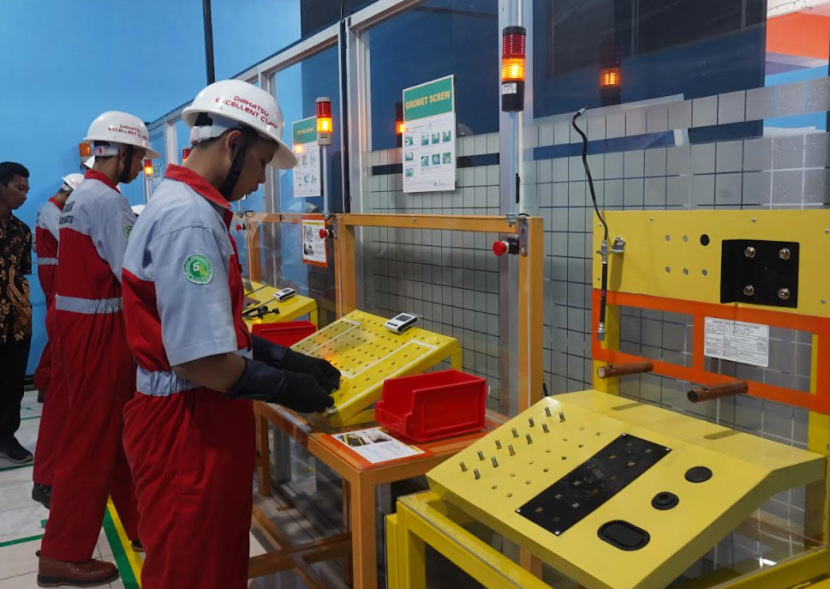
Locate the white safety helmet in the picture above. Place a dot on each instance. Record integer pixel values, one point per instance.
(137, 209)
(119, 128)
(71, 182)
(231, 103)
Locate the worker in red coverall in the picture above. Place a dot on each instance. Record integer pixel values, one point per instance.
(189, 431)
(96, 363)
(46, 248)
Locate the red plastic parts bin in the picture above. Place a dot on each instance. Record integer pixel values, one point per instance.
(285, 334)
(432, 406)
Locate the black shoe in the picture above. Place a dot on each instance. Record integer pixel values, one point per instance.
(137, 547)
(41, 396)
(14, 452)
(42, 494)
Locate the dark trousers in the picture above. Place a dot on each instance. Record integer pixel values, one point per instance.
(14, 356)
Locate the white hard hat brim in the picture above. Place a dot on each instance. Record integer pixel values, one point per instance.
(284, 159)
(149, 152)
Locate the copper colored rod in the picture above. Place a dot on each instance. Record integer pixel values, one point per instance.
(613, 370)
(729, 389)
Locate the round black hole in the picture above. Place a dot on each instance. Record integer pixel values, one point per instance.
(665, 501)
(698, 474)
(704, 239)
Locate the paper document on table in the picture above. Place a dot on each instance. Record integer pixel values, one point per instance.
(376, 446)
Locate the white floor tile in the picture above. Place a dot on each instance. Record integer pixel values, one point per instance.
(15, 476)
(20, 582)
(18, 559)
(22, 523)
(15, 497)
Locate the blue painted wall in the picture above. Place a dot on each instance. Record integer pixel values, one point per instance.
(66, 62)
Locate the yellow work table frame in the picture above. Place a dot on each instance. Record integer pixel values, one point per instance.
(359, 482)
(426, 519)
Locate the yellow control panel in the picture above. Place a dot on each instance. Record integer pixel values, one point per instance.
(366, 354)
(294, 308)
(614, 493)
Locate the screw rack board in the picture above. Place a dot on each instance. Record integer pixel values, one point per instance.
(366, 354)
(639, 537)
(294, 308)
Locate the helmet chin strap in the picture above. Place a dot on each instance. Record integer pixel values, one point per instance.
(236, 166)
(128, 164)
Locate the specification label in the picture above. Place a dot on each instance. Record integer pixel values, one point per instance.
(747, 343)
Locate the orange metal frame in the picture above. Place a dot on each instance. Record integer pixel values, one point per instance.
(818, 401)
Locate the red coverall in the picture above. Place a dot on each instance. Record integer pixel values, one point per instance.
(98, 369)
(191, 450)
(46, 248)
(47, 375)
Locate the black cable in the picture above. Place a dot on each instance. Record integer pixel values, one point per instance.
(604, 281)
(578, 114)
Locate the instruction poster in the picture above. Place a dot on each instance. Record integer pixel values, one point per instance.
(314, 246)
(429, 136)
(375, 446)
(307, 171)
(747, 343)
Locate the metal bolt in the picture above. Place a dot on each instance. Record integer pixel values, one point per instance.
(463, 467)
(495, 462)
(754, 219)
(823, 301)
(498, 444)
(749, 290)
(529, 439)
(545, 428)
(476, 473)
(826, 231)
(530, 422)
(547, 411)
(515, 433)
(512, 451)
(480, 455)
(561, 416)
(749, 252)
(784, 294)
(784, 254)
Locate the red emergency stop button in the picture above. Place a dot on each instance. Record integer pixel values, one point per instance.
(324, 233)
(500, 248)
(239, 226)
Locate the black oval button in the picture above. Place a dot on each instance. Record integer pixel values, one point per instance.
(698, 474)
(665, 501)
(624, 535)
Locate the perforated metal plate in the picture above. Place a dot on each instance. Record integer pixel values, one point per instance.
(511, 467)
(295, 307)
(366, 354)
(586, 488)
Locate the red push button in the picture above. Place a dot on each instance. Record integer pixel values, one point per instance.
(500, 248)
(324, 233)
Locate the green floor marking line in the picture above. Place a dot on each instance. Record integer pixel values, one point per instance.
(43, 523)
(16, 466)
(32, 417)
(21, 541)
(121, 560)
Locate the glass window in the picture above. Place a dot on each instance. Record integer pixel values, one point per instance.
(661, 47)
(429, 41)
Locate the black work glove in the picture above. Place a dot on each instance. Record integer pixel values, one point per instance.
(298, 392)
(268, 352)
(303, 394)
(327, 375)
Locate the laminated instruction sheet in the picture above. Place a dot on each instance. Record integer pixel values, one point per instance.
(428, 151)
(376, 446)
(307, 180)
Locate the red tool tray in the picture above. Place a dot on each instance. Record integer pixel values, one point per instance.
(431, 406)
(285, 334)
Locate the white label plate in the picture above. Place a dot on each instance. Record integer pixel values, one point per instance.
(509, 88)
(747, 343)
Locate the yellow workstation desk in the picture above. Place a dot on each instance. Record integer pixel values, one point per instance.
(277, 312)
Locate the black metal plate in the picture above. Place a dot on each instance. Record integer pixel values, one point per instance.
(766, 272)
(590, 485)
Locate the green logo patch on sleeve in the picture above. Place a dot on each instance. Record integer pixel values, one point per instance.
(198, 269)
